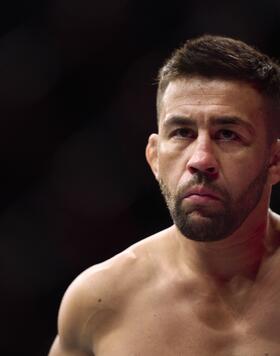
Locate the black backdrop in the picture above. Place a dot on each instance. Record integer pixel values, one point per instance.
(77, 89)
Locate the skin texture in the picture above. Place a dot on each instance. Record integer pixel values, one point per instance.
(219, 151)
(175, 294)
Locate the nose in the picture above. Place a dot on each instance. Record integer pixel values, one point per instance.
(203, 157)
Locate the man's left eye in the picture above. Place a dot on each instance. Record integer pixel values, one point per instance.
(227, 135)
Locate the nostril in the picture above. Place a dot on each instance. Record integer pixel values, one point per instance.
(193, 169)
(212, 172)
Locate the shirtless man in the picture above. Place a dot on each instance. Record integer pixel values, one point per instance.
(209, 284)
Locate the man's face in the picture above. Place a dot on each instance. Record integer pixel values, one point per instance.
(212, 155)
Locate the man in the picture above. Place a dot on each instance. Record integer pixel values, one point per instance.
(209, 284)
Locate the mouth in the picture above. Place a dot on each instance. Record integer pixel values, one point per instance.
(201, 195)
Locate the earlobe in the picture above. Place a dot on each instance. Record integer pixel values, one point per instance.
(274, 167)
(152, 153)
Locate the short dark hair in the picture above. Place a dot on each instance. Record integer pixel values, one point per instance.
(219, 57)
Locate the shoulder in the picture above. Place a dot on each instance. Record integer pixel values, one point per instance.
(274, 219)
(274, 225)
(99, 293)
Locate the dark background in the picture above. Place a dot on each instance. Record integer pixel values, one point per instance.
(77, 89)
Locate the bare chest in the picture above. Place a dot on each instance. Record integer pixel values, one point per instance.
(160, 325)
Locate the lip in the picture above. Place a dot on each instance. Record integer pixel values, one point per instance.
(201, 193)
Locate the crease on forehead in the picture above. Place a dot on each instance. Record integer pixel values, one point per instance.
(182, 94)
(212, 89)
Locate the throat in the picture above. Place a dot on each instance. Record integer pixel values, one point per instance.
(228, 266)
(236, 257)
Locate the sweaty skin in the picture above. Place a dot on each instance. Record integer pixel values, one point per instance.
(173, 296)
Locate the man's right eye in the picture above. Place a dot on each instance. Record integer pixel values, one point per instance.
(183, 133)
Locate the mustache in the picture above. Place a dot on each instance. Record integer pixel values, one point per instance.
(204, 180)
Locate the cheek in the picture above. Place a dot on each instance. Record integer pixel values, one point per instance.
(171, 167)
(237, 174)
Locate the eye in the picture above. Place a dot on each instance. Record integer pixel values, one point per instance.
(227, 135)
(183, 133)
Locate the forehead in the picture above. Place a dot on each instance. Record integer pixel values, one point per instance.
(200, 98)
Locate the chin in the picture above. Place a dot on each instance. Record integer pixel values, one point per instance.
(197, 226)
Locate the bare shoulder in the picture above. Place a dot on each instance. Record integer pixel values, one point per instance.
(275, 220)
(272, 242)
(98, 294)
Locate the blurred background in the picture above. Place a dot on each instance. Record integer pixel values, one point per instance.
(77, 103)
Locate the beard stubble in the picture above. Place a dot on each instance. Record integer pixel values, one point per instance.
(203, 223)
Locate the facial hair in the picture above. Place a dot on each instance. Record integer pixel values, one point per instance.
(203, 223)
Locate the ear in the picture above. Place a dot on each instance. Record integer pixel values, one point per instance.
(152, 153)
(274, 166)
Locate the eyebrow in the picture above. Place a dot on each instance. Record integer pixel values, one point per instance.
(178, 120)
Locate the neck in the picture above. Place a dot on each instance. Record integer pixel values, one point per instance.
(240, 254)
